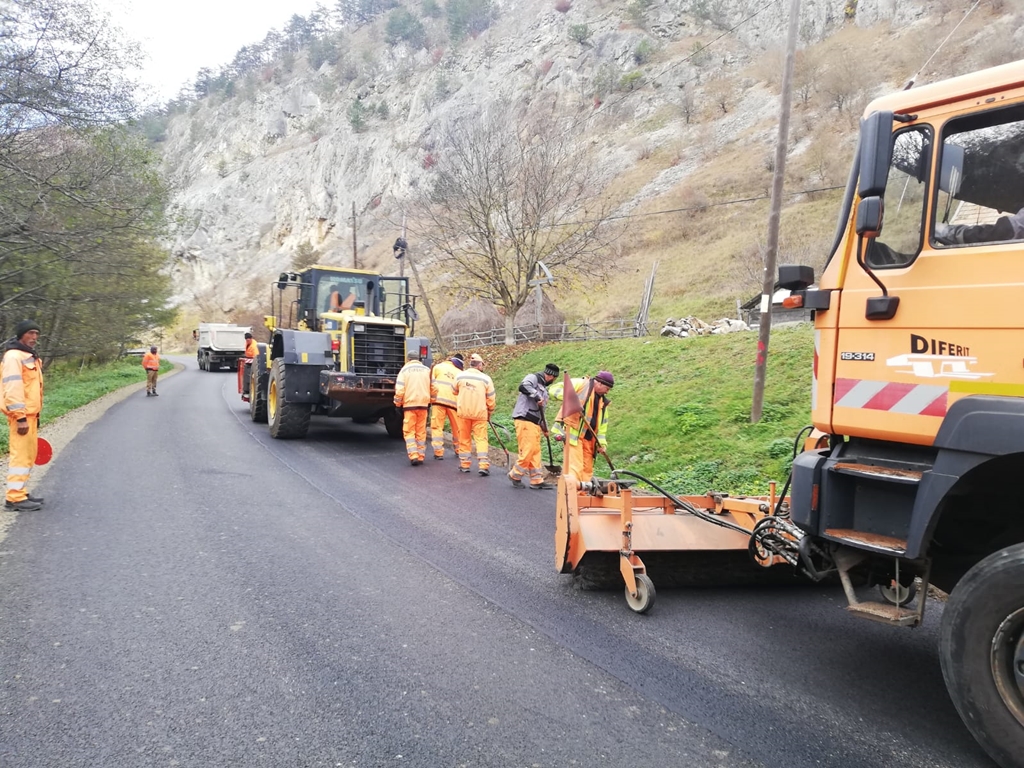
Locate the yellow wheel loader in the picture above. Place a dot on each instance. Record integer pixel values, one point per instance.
(909, 478)
(338, 338)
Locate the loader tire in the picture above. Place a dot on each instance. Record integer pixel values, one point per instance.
(981, 648)
(257, 397)
(393, 423)
(287, 420)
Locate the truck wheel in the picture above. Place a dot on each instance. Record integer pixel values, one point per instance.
(393, 423)
(982, 652)
(211, 366)
(201, 362)
(257, 397)
(286, 420)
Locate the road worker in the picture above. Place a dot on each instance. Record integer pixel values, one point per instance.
(584, 433)
(251, 347)
(528, 415)
(443, 403)
(412, 395)
(474, 394)
(151, 362)
(22, 403)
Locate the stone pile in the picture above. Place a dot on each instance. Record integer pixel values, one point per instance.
(692, 326)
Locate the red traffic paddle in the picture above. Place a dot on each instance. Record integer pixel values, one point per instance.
(44, 452)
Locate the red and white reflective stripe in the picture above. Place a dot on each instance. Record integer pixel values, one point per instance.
(917, 399)
(814, 372)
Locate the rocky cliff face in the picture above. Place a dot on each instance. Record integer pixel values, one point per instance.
(279, 164)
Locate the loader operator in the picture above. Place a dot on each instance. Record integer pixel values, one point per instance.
(412, 395)
(1004, 228)
(22, 404)
(443, 403)
(474, 393)
(528, 415)
(585, 434)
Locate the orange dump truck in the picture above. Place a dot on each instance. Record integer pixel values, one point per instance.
(910, 477)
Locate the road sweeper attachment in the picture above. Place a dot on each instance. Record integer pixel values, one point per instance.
(602, 527)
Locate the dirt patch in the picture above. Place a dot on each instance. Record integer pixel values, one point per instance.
(63, 430)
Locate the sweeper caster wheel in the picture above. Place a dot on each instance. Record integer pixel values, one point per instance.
(644, 600)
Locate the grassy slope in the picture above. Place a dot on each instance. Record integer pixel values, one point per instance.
(67, 387)
(680, 408)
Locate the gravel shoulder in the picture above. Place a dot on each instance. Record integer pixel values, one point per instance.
(62, 431)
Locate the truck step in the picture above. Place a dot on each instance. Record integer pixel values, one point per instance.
(875, 472)
(886, 613)
(874, 541)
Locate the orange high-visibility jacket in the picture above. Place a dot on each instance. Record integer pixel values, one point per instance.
(151, 361)
(474, 392)
(443, 384)
(22, 384)
(251, 348)
(412, 389)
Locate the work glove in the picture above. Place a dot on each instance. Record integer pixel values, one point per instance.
(601, 450)
(22, 426)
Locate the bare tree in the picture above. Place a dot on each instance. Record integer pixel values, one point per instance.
(509, 192)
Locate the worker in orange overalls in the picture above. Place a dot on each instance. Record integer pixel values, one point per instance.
(22, 403)
(412, 395)
(585, 432)
(151, 362)
(443, 403)
(251, 347)
(474, 393)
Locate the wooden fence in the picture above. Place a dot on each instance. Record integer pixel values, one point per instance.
(581, 331)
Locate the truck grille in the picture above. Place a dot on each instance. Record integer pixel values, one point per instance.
(378, 351)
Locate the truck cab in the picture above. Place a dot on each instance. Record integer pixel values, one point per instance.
(918, 383)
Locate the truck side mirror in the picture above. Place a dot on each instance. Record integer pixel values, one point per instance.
(282, 281)
(795, 278)
(875, 153)
(869, 216)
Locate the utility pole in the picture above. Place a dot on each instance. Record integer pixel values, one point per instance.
(355, 251)
(768, 291)
(401, 262)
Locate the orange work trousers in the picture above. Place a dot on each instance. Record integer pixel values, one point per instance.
(22, 458)
(528, 458)
(438, 413)
(414, 428)
(474, 430)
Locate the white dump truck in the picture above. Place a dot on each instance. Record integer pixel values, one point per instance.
(220, 344)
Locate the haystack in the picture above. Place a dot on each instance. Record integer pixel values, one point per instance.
(476, 317)
(551, 319)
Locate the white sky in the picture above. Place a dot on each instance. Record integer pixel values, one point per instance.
(179, 37)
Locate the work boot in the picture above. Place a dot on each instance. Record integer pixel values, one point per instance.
(438, 457)
(155, 393)
(464, 469)
(516, 482)
(148, 393)
(24, 506)
(485, 472)
(542, 487)
(36, 499)
(415, 462)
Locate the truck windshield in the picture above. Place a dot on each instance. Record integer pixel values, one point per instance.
(905, 196)
(981, 199)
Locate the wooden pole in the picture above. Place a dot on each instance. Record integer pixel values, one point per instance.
(781, 146)
(426, 302)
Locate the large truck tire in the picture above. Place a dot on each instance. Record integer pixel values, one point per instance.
(981, 648)
(393, 423)
(257, 396)
(211, 367)
(287, 420)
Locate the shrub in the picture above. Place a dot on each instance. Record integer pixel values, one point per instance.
(404, 26)
(642, 53)
(580, 33)
(631, 80)
(357, 116)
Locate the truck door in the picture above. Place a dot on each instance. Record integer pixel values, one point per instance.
(957, 270)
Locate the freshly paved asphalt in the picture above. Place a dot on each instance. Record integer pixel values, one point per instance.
(197, 594)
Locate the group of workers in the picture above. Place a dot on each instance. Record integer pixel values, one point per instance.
(464, 398)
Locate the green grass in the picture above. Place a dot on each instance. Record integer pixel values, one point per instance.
(680, 411)
(67, 386)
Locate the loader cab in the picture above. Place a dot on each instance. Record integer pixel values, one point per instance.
(919, 303)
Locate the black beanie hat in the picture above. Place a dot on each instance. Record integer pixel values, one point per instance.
(551, 369)
(24, 327)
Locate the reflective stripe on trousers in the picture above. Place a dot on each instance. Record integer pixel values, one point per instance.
(438, 413)
(414, 427)
(473, 431)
